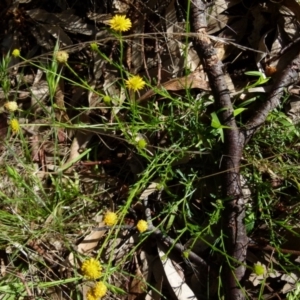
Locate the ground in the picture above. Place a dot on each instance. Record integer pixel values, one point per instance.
(149, 150)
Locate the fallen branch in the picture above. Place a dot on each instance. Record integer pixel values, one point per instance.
(288, 77)
(234, 212)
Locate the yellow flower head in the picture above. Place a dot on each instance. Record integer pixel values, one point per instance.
(120, 23)
(16, 53)
(91, 268)
(110, 218)
(142, 226)
(100, 289)
(90, 295)
(61, 56)
(11, 106)
(135, 83)
(14, 125)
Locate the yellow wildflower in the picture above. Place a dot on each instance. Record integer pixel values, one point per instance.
(135, 83)
(91, 268)
(16, 53)
(120, 23)
(61, 56)
(11, 106)
(100, 289)
(142, 226)
(90, 295)
(14, 125)
(110, 218)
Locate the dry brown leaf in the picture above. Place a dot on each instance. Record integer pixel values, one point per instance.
(193, 80)
(60, 110)
(217, 19)
(39, 93)
(159, 276)
(138, 285)
(88, 244)
(79, 142)
(118, 248)
(293, 5)
(175, 275)
(153, 187)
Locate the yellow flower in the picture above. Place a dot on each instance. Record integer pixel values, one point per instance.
(16, 53)
(61, 56)
(100, 289)
(135, 83)
(90, 295)
(91, 268)
(110, 218)
(11, 106)
(142, 226)
(120, 23)
(14, 125)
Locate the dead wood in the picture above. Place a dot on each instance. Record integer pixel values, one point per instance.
(234, 213)
(287, 78)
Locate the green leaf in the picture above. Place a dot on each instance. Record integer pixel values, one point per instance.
(117, 290)
(262, 80)
(12, 172)
(221, 133)
(254, 73)
(247, 102)
(186, 253)
(215, 122)
(238, 111)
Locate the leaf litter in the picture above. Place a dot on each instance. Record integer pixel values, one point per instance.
(77, 156)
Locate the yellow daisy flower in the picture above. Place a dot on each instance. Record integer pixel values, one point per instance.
(142, 226)
(135, 83)
(110, 218)
(61, 56)
(120, 23)
(90, 295)
(91, 268)
(16, 53)
(100, 289)
(14, 125)
(11, 106)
